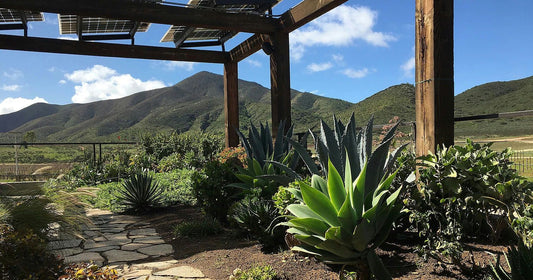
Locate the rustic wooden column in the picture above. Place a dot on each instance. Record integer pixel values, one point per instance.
(231, 103)
(280, 81)
(434, 85)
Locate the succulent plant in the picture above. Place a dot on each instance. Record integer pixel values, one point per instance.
(343, 223)
(345, 142)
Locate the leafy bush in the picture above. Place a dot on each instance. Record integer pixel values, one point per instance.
(464, 191)
(256, 218)
(195, 148)
(235, 155)
(519, 259)
(204, 227)
(284, 197)
(23, 255)
(108, 197)
(171, 162)
(140, 192)
(523, 225)
(176, 187)
(208, 187)
(265, 272)
(344, 223)
(88, 271)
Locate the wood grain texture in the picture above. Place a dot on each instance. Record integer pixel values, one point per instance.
(231, 103)
(434, 89)
(280, 81)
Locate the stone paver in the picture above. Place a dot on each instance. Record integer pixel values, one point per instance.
(127, 244)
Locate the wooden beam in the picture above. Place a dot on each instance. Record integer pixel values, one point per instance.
(434, 75)
(307, 11)
(10, 42)
(231, 103)
(280, 81)
(150, 12)
(246, 48)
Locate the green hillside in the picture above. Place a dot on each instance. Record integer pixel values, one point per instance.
(196, 103)
(496, 97)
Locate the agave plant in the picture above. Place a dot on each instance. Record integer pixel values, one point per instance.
(260, 146)
(140, 192)
(269, 164)
(343, 223)
(519, 259)
(345, 142)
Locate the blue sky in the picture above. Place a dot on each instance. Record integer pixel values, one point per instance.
(350, 53)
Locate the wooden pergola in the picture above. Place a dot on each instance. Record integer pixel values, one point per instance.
(434, 50)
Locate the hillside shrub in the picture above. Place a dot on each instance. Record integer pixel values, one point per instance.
(196, 148)
(209, 189)
(465, 191)
(176, 187)
(107, 197)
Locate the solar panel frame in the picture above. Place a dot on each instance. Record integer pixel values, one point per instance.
(199, 34)
(68, 24)
(8, 15)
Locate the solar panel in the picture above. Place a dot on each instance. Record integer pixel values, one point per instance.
(7, 15)
(180, 34)
(68, 24)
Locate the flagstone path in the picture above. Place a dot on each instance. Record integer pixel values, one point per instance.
(126, 244)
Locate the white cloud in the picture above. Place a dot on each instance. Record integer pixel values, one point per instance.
(355, 74)
(314, 67)
(11, 104)
(253, 62)
(100, 83)
(339, 27)
(338, 58)
(408, 67)
(62, 82)
(13, 74)
(11, 87)
(172, 65)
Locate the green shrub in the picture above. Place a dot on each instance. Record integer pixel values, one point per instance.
(520, 261)
(171, 162)
(283, 197)
(523, 225)
(464, 191)
(176, 187)
(200, 228)
(209, 188)
(23, 255)
(257, 218)
(140, 192)
(265, 272)
(108, 197)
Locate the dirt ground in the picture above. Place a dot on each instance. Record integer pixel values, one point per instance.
(217, 256)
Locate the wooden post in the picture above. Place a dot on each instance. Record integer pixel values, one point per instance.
(280, 81)
(434, 75)
(231, 103)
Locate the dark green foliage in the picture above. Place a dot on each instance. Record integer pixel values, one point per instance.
(200, 228)
(464, 191)
(520, 260)
(23, 255)
(209, 188)
(192, 149)
(256, 218)
(176, 187)
(140, 193)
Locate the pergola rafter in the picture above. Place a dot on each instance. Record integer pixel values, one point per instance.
(434, 50)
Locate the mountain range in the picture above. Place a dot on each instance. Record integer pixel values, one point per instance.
(196, 103)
